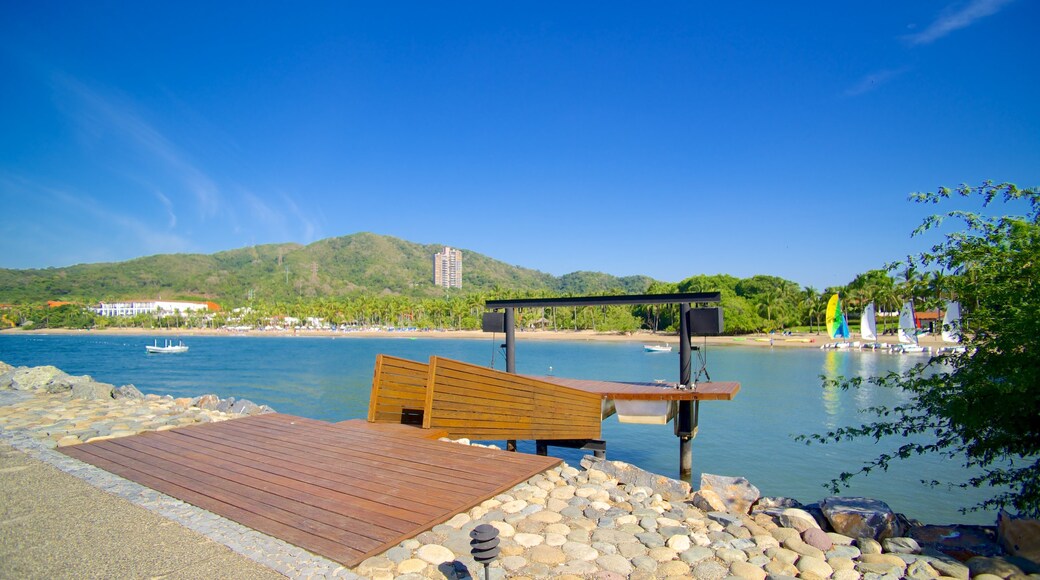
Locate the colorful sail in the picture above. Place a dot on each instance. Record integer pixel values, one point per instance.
(951, 328)
(837, 327)
(868, 323)
(907, 324)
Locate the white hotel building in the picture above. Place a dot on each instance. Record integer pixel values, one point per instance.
(160, 307)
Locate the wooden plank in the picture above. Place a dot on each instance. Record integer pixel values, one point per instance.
(711, 391)
(302, 480)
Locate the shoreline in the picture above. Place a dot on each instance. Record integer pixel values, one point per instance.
(798, 340)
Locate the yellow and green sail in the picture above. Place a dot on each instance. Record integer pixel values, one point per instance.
(837, 327)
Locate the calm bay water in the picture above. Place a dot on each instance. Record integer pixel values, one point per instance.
(752, 436)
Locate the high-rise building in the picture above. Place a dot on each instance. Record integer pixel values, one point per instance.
(447, 268)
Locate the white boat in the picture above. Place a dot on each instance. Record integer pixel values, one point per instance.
(908, 331)
(868, 329)
(951, 328)
(657, 348)
(169, 347)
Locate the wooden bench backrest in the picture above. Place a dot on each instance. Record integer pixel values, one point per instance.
(484, 404)
(398, 384)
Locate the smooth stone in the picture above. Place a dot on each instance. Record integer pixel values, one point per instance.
(411, 566)
(679, 543)
(615, 563)
(435, 554)
(886, 559)
(576, 551)
(710, 570)
(673, 569)
(901, 545)
(528, 540)
(747, 571)
(812, 565)
(868, 545)
(696, 554)
(543, 554)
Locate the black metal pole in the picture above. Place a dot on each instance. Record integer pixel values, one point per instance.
(687, 413)
(510, 341)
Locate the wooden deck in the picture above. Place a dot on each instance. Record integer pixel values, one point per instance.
(345, 491)
(717, 391)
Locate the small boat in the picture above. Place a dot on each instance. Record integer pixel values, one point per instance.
(868, 329)
(908, 332)
(837, 326)
(951, 329)
(657, 347)
(169, 347)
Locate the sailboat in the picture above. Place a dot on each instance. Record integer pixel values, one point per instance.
(868, 328)
(951, 327)
(908, 331)
(837, 326)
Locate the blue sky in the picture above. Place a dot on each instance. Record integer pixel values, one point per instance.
(666, 139)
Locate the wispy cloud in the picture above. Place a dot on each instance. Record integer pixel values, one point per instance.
(282, 220)
(873, 81)
(165, 201)
(953, 19)
(120, 116)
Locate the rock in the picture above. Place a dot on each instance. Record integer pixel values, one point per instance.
(995, 566)
(92, 390)
(129, 392)
(868, 546)
(208, 402)
(615, 563)
(885, 559)
(4, 367)
(797, 519)
(813, 565)
(435, 554)
(747, 571)
(736, 492)
(1019, 536)
(226, 404)
(31, 378)
(860, 517)
(765, 503)
(901, 545)
(817, 538)
(709, 501)
(550, 555)
(960, 541)
(669, 489)
(920, 570)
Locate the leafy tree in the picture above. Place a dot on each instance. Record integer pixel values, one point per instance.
(980, 407)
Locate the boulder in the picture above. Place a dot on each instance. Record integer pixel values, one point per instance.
(208, 402)
(960, 541)
(737, 492)
(670, 489)
(30, 378)
(127, 392)
(708, 501)
(767, 503)
(797, 519)
(226, 404)
(901, 545)
(92, 390)
(859, 517)
(1019, 536)
(4, 367)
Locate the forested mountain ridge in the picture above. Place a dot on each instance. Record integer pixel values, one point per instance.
(362, 263)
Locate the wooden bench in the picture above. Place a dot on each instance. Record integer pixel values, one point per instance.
(483, 404)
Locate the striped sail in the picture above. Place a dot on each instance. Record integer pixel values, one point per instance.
(837, 327)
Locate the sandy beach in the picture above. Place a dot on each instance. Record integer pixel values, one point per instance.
(797, 340)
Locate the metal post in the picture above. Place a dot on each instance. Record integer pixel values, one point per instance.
(687, 411)
(510, 340)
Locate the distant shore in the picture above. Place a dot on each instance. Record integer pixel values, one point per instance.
(797, 340)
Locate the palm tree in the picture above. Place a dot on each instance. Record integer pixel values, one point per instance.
(811, 301)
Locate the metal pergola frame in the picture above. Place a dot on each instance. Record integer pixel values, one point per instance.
(687, 417)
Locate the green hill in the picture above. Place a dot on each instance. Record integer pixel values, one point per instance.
(362, 263)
